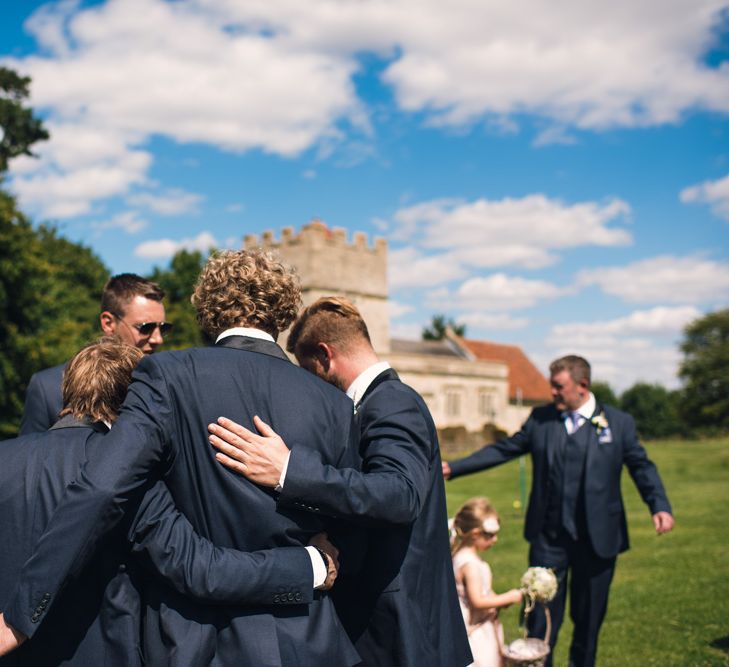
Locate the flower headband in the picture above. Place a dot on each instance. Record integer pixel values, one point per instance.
(491, 525)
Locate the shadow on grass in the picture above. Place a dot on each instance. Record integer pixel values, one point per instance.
(722, 644)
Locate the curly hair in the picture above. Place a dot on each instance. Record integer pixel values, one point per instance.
(246, 288)
(96, 380)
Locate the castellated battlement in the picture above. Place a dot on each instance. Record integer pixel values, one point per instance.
(325, 260)
(328, 264)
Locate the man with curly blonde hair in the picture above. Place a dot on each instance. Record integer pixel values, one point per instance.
(244, 299)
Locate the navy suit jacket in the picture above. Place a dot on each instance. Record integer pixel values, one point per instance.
(402, 609)
(43, 400)
(541, 435)
(162, 430)
(98, 617)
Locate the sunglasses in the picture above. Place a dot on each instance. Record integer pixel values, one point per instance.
(147, 328)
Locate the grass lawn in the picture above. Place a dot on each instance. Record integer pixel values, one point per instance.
(669, 601)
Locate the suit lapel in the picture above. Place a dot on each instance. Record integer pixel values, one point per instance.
(250, 344)
(387, 374)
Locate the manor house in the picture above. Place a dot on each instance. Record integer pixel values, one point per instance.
(471, 387)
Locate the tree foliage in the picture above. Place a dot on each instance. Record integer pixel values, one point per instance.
(50, 290)
(178, 281)
(436, 330)
(705, 372)
(19, 128)
(654, 408)
(604, 393)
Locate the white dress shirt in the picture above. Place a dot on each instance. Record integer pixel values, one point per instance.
(585, 412)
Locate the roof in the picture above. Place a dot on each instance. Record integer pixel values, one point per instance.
(523, 374)
(442, 348)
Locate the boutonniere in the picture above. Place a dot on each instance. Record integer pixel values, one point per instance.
(600, 422)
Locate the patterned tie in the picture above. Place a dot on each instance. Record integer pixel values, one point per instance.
(575, 419)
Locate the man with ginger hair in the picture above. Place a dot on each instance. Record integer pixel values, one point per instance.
(402, 608)
(243, 300)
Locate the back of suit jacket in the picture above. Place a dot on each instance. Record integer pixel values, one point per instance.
(43, 400)
(163, 429)
(402, 608)
(97, 618)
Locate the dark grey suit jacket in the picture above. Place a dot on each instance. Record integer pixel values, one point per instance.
(541, 436)
(162, 430)
(402, 608)
(43, 400)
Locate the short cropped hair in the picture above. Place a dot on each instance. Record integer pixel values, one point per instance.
(123, 288)
(96, 379)
(578, 368)
(333, 320)
(246, 288)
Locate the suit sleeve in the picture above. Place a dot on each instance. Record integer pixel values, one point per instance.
(643, 471)
(35, 411)
(397, 450)
(165, 541)
(494, 454)
(97, 499)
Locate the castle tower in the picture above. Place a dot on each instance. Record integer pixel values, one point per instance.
(327, 264)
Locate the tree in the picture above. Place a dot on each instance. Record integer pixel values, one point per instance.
(705, 372)
(604, 393)
(654, 409)
(49, 287)
(19, 128)
(437, 328)
(178, 282)
(50, 290)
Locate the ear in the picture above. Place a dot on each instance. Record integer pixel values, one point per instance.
(108, 323)
(324, 355)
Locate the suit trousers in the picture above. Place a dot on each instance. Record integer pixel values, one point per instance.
(588, 577)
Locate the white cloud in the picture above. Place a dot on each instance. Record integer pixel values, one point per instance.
(409, 331)
(398, 309)
(619, 360)
(165, 248)
(494, 321)
(449, 239)
(495, 292)
(129, 221)
(689, 280)
(409, 268)
(714, 193)
(510, 231)
(172, 202)
(659, 321)
(279, 76)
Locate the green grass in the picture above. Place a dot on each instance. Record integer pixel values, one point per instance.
(669, 601)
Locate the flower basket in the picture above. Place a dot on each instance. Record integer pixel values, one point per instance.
(530, 651)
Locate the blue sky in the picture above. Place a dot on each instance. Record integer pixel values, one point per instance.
(555, 175)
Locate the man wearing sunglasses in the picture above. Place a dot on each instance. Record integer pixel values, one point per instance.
(132, 311)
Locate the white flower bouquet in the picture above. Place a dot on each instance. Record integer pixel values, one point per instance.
(539, 584)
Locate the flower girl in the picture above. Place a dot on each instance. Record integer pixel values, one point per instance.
(475, 528)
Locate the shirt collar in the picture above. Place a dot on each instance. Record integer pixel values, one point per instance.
(245, 331)
(588, 409)
(362, 382)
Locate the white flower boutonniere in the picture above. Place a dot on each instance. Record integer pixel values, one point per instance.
(602, 427)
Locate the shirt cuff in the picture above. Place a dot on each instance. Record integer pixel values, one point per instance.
(317, 566)
(279, 486)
